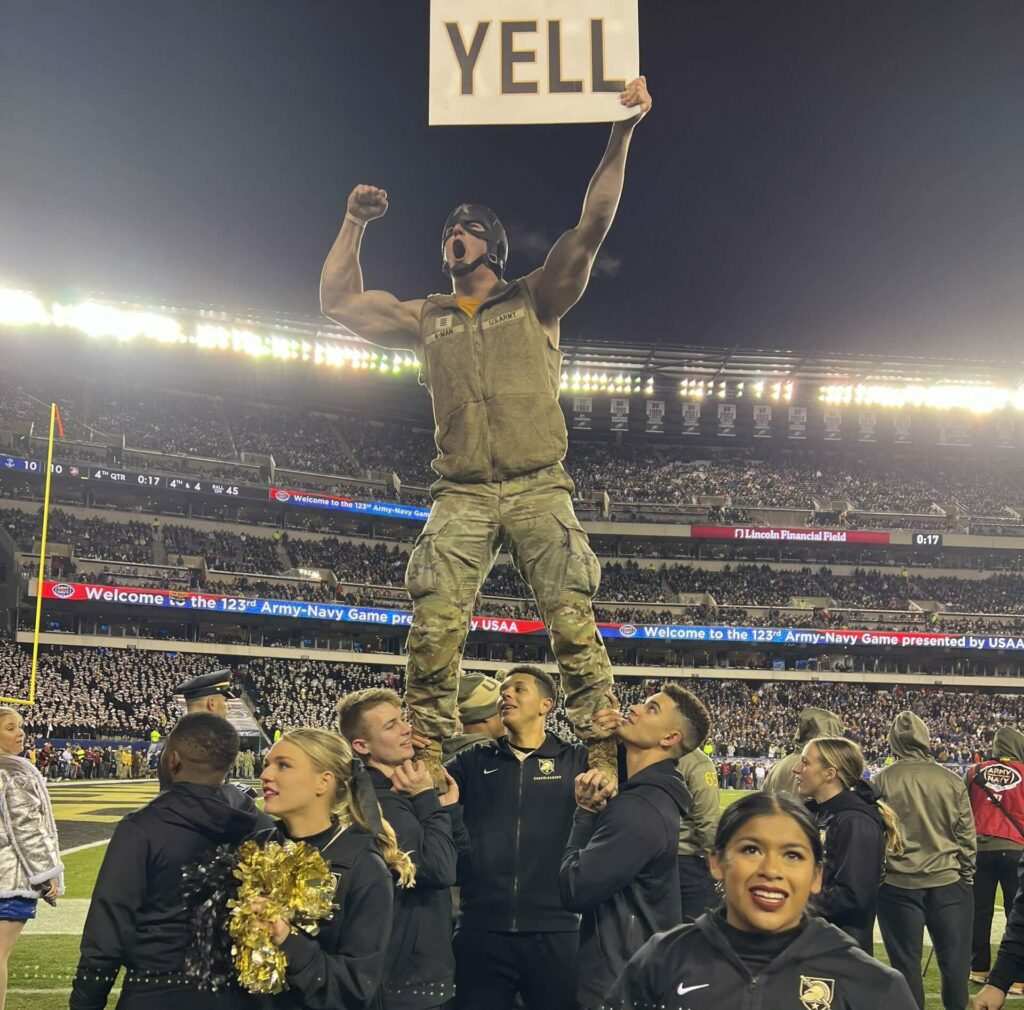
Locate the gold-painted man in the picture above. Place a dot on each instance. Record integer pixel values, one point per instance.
(490, 359)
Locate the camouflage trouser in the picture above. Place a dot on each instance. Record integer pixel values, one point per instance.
(468, 523)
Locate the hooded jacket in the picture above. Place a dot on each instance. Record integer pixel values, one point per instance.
(1007, 746)
(29, 848)
(518, 815)
(854, 840)
(420, 965)
(813, 722)
(619, 870)
(137, 917)
(342, 967)
(694, 967)
(699, 823)
(934, 811)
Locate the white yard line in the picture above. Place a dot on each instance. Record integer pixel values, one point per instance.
(81, 848)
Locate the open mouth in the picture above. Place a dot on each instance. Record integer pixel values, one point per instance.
(268, 793)
(458, 248)
(768, 899)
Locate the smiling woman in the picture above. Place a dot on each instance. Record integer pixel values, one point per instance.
(767, 858)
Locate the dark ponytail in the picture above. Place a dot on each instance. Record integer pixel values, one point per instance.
(767, 805)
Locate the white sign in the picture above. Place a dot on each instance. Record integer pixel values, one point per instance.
(531, 61)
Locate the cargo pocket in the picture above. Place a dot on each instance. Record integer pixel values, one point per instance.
(421, 570)
(582, 569)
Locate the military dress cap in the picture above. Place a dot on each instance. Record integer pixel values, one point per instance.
(218, 682)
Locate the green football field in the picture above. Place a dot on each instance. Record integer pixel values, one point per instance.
(44, 960)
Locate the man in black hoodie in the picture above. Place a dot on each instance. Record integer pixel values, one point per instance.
(420, 971)
(137, 918)
(619, 868)
(518, 799)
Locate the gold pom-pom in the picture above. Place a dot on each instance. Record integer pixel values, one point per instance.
(289, 881)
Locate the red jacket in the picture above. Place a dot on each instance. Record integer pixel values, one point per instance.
(996, 808)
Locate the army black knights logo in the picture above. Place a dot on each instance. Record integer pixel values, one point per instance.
(546, 765)
(817, 993)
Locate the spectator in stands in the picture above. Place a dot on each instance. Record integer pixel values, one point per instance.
(929, 884)
(996, 791)
(813, 722)
(858, 830)
(311, 783)
(768, 858)
(30, 865)
(420, 969)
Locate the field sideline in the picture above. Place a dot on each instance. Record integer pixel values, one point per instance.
(44, 960)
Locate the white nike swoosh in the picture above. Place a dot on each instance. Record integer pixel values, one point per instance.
(684, 989)
(490, 771)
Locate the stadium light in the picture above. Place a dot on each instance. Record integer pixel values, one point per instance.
(619, 384)
(99, 320)
(22, 308)
(977, 399)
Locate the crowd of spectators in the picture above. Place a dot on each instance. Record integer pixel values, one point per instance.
(91, 537)
(224, 550)
(298, 440)
(177, 425)
(391, 447)
(377, 564)
(124, 694)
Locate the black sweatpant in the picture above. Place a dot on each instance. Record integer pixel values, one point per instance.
(696, 887)
(946, 912)
(491, 968)
(996, 869)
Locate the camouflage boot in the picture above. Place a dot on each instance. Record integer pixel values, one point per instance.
(432, 756)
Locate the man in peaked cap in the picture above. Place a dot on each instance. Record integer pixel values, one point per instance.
(208, 692)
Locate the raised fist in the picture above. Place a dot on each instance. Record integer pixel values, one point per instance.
(365, 203)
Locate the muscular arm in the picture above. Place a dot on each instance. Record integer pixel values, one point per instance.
(558, 285)
(376, 315)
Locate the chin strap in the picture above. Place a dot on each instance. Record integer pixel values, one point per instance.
(463, 269)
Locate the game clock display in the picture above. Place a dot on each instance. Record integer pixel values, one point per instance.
(926, 539)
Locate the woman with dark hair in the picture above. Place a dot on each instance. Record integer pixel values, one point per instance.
(857, 831)
(761, 949)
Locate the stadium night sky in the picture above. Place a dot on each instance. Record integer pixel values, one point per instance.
(814, 175)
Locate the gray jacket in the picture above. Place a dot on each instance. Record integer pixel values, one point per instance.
(29, 850)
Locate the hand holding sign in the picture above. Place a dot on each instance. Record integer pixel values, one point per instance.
(636, 94)
(531, 61)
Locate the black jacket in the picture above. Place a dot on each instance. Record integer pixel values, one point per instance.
(420, 968)
(694, 967)
(137, 917)
(854, 838)
(342, 967)
(1009, 966)
(518, 815)
(240, 798)
(620, 870)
